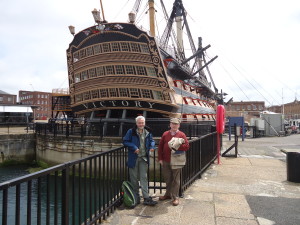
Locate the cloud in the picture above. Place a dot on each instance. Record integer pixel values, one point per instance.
(257, 42)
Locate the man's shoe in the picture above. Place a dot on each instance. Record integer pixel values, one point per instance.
(162, 198)
(175, 202)
(149, 201)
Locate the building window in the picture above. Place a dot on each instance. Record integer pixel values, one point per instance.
(92, 73)
(115, 47)
(103, 93)
(232, 108)
(106, 47)
(260, 107)
(109, 70)
(84, 75)
(119, 69)
(124, 47)
(151, 71)
(144, 48)
(157, 95)
(9, 99)
(254, 107)
(167, 96)
(123, 92)
(140, 70)
(95, 94)
(77, 77)
(87, 95)
(134, 47)
(82, 53)
(249, 107)
(238, 107)
(113, 92)
(97, 49)
(146, 93)
(129, 69)
(100, 71)
(1, 99)
(75, 56)
(89, 51)
(134, 93)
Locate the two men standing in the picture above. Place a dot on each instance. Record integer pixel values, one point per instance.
(140, 143)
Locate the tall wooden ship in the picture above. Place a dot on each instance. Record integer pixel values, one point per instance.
(118, 70)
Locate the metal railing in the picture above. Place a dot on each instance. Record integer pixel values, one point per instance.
(115, 129)
(86, 191)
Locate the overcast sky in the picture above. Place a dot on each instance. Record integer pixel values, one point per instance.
(257, 41)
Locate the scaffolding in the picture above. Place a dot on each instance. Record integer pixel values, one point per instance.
(61, 103)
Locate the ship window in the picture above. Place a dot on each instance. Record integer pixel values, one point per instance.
(254, 107)
(157, 95)
(97, 49)
(167, 96)
(129, 69)
(77, 77)
(109, 70)
(95, 94)
(140, 70)
(238, 107)
(106, 47)
(89, 51)
(87, 95)
(144, 48)
(100, 71)
(124, 46)
(134, 93)
(146, 93)
(92, 73)
(84, 75)
(78, 98)
(123, 92)
(151, 71)
(134, 47)
(82, 53)
(249, 107)
(260, 107)
(75, 56)
(103, 93)
(115, 47)
(119, 69)
(113, 92)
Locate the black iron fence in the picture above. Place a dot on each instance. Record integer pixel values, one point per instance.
(86, 191)
(115, 129)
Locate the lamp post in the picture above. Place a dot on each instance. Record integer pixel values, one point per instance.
(96, 15)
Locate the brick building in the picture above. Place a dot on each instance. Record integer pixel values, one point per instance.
(41, 102)
(291, 110)
(7, 99)
(248, 110)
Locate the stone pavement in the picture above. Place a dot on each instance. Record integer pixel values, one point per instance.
(250, 189)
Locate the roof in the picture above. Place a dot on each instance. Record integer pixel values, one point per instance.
(4, 93)
(18, 108)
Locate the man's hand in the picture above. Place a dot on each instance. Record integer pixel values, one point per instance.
(160, 162)
(152, 150)
(137, 151)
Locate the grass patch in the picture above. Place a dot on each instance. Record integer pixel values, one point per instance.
(37, 166)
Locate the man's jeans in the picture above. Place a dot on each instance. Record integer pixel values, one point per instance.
(139, 173)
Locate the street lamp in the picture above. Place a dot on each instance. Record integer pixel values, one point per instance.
(96, 15)
(72, 30)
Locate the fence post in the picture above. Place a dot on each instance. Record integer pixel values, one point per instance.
(65, 196)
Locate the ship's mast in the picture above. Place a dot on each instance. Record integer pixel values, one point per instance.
(102, 11)
(152, 17)
(179, 29)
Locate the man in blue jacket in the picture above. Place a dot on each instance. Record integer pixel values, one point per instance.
(140, 143)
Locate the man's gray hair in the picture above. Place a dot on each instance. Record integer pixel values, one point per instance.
(140, 118)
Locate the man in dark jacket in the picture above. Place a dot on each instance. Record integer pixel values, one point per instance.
(140, 143)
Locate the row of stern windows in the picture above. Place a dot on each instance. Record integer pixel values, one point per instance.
(122, 92)
(110, 47)
(115, 70)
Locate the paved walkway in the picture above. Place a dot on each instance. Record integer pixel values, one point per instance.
(251, 189)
